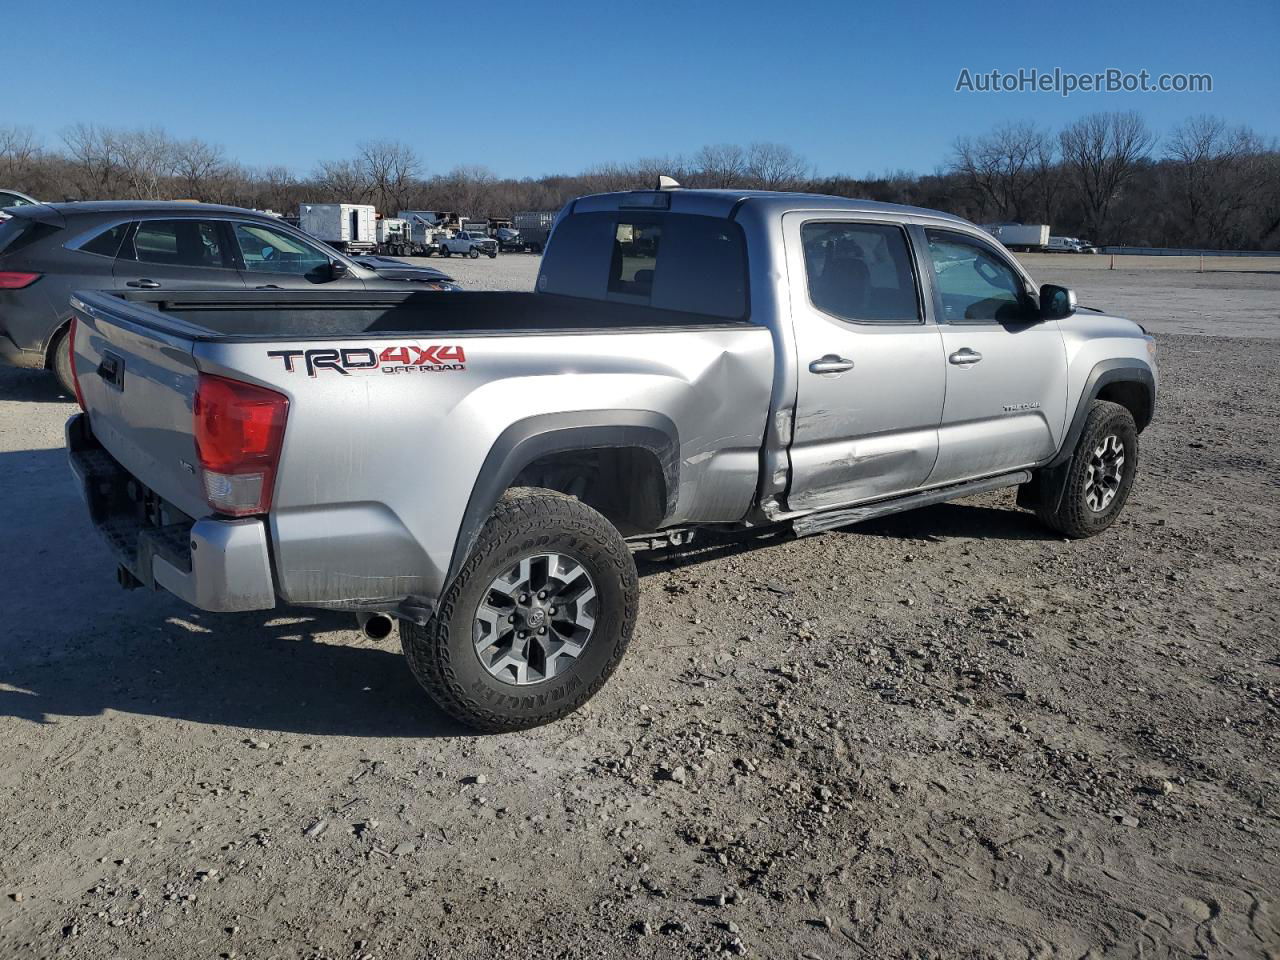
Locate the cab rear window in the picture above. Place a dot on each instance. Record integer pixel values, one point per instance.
(671, 261)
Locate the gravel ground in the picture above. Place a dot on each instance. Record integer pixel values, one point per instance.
(942, 734)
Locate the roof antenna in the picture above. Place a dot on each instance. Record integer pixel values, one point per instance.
(667, 183)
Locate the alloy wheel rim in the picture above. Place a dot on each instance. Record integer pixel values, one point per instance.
(1105, 472)
(535, 619)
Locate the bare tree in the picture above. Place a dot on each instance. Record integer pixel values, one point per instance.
(1217, 171)
(775, 166)
(19, 150)
(198, 167)
(342, 181)
(1101, 153)
(390, 169)
(93, 163)
(720, 165)
(1000, 168)
(146, 161)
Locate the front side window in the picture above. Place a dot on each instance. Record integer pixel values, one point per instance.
(861, 272)
(272, 251)
(177, 243)
(975, 284)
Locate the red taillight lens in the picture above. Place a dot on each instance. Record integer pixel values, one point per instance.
(75, 374)
(239, 429)
(17, 279)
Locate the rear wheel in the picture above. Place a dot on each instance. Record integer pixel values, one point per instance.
(1101, 473)
(62, 363)
(537, 619)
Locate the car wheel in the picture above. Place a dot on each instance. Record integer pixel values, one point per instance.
(473, 253)
(62, 363)
(1101, 473)
(537, 619)
(493, 254)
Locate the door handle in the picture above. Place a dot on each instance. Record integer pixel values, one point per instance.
(830, 364)
(268, 286)
(964, 357)
(144, 284)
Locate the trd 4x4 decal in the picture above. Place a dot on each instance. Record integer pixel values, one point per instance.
(407, 359)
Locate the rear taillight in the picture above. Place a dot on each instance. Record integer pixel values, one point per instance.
(17, 279)
(239, 429)
(75, 374)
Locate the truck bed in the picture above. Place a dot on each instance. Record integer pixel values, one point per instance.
(273, 315)
(403, 409)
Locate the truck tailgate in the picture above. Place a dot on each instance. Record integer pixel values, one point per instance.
(138, 381)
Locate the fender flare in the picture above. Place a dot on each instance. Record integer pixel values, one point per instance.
(1047, 484)
(1119, 369)
(539, 436)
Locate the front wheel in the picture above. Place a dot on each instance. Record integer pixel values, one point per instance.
(1101, 473)
(537, 619)
(473, 253)
(493, 254)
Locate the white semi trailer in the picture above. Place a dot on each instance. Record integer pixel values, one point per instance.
(350, 227)
(1020, 236)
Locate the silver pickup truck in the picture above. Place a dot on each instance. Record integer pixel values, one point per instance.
(480, 466)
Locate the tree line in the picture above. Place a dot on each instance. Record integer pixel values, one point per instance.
(1106, 177)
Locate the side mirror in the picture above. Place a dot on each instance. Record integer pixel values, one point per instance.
(337, 269)
(1056, 302)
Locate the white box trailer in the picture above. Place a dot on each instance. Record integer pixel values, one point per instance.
(347, 226)
(1020, 236)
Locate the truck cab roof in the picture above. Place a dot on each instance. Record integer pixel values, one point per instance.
(724, 203)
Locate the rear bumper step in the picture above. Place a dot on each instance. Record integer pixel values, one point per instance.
(216, 565)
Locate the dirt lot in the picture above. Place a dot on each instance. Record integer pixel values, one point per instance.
(943, 734)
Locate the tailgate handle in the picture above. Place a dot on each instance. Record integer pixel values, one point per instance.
(111, 369)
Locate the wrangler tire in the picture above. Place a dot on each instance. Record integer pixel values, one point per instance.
(1097, 486)
(529, 529)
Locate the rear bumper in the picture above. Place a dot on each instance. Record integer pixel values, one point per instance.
(216, 565)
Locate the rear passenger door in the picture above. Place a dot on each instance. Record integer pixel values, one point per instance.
(870, 365)
(176, 254)
(1006, 368)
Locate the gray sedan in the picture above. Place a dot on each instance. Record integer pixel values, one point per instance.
(49, 250)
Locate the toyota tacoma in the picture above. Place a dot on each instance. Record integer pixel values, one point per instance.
(481, 466)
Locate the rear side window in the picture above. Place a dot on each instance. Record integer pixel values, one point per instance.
(19, 232)
(107, 243)
(180, 243)
(861, 272)
(672, 261)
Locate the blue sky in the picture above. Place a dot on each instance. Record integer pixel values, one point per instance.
(528, 88)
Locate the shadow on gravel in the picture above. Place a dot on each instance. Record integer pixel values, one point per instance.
(264, 671)
(957, 519)
(32, 386)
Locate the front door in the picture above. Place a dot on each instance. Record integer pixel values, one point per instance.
(176, 254)
(272, 258)
(1006, 402)
(870, 365)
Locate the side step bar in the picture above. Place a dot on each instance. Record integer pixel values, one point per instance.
(844, 516)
